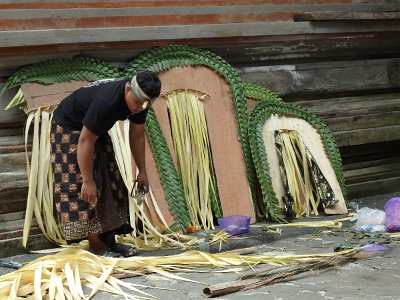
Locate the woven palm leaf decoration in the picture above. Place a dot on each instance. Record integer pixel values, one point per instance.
(164, 58)
(262, 111)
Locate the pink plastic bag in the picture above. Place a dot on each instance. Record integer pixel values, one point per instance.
(392, 210)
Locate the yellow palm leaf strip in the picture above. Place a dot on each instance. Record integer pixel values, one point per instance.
(293, 175)
(189, 132)
(125, 167)
(77, 278)
(157, 208)
(187, 157)
(33, 168)
(91, 281)
(168, 275)
(37, 283)
(301, 196)
(28, 124)
(221, 236)
(74, 283)
(37, 177)
(45, 183)
(199, 134)
(302, 156)
(116, 283)
(194, 167)
(288, 165)
(60, 288)
(17, 99)
(126, 149)
(300, 201)
(52, 286)
(136, 212)
(43, 213)
(330, 223)
(189, 170)
(129, 173)
(107, 272)
(13, 289)
(178, 130)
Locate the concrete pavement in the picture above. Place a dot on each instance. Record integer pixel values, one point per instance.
(375, 277)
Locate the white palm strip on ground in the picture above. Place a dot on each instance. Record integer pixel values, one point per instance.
(193, 155)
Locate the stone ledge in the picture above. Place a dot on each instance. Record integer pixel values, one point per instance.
(14, 246)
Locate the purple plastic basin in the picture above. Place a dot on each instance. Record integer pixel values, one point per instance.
(235, 224)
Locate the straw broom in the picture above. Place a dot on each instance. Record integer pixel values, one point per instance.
(265, 277)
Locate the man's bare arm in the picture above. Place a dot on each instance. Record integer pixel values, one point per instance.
(85, 152)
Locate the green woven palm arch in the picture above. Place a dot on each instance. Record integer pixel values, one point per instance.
(164, 58)
(261, 112)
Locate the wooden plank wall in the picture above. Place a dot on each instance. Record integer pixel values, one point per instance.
(341, 58)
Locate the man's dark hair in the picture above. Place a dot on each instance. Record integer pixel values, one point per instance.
(149, 83)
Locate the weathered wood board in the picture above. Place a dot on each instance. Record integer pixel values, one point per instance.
(39, 95)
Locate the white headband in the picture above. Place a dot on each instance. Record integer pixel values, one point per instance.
(142, 97)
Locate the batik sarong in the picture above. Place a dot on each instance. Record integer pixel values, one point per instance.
(77, 217)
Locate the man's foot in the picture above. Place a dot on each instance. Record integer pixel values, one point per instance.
(125, 250)
(97, 246)
(109, 253)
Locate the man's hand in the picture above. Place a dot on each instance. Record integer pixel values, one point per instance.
(86, 143)
(142, 183)
(89, 192)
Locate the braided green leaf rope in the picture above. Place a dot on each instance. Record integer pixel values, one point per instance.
(173, 189)
(261, 113)
(257, 92)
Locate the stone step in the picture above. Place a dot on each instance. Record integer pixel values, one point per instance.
(11, 131)
(7, 187)
(373, 187)
(15, 225)
(12, 205)
(12, 140)
(12, 162)
(13, 246)
(11, 232)
(7, 217)
(12, 176)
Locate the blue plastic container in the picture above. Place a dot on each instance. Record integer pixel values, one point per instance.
(235, 224)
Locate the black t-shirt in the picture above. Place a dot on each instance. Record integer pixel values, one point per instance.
(98, 106)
